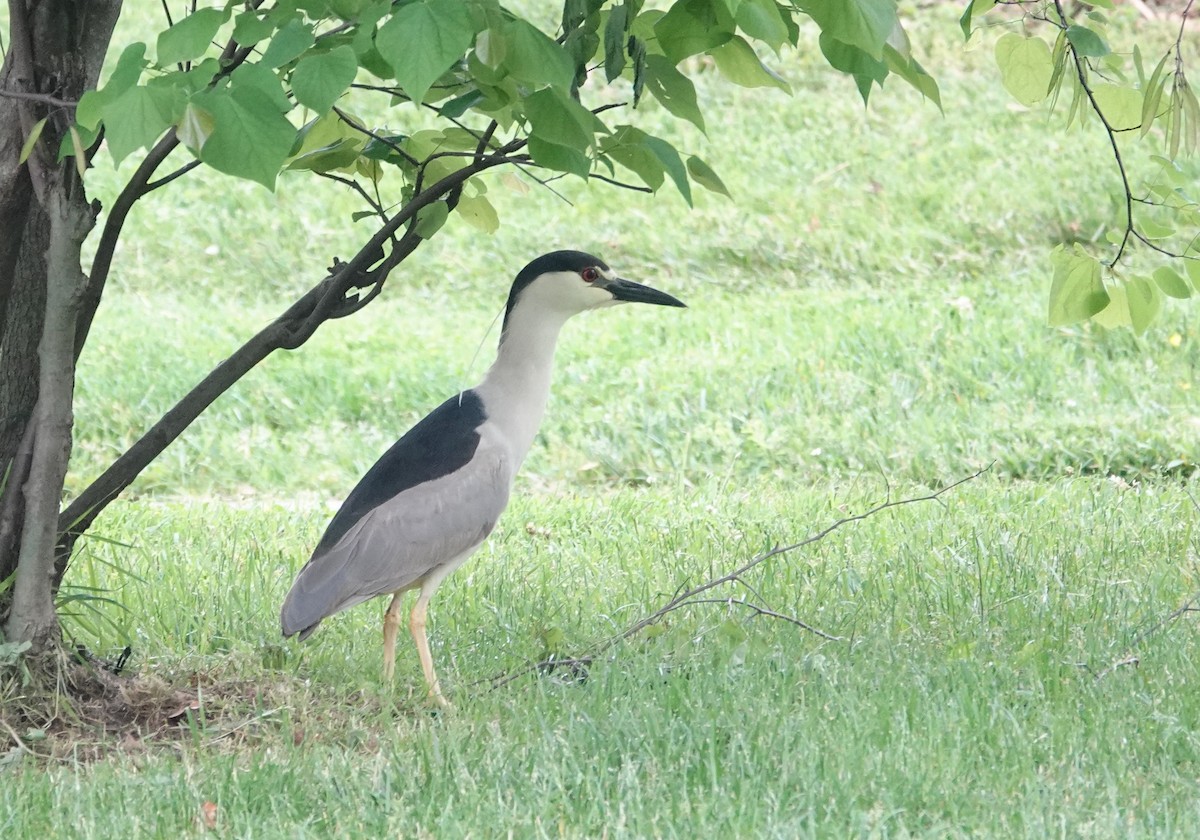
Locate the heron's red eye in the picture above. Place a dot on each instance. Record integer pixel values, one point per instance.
(591, 275)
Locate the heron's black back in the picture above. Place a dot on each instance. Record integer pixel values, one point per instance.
(438, 445)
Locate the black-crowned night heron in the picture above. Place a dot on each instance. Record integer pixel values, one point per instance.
(433, 498)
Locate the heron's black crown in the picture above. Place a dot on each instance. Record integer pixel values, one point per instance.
(554, 261)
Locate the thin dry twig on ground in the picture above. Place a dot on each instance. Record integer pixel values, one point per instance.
(687, 596)
(1130, 657)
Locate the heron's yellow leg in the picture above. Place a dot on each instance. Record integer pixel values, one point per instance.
(391, 621)
(416, 625)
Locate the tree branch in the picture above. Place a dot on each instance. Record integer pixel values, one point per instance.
(1192, 604)
(687, 596)
(42, 98)
(763, 611)
(1130, 657)
(327, 299)
(1081, 74)
(138, 186)
(133, 190)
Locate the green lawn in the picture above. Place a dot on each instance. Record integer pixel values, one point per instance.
(866, 321)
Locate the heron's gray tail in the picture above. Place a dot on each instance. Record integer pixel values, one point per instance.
(302, 610)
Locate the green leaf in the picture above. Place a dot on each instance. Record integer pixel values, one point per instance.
(340, 154)
(534, 59)
(490, 48)
(190, 37)
(479, 213)
(422, 40)
(1121, 106)
(77, 148)
(673, 165)
(348, 10)
(31, 140)
(194, 127)
(289, 43)
(431, 218)
(581, 46)
(1086, 42)
(1193, 272)
(459, 105)
(1145, 303)
(865, 24)
(1116, 314)
(558, 157)
(614, 42)
(250, 138)
(738, 62)
(761, 19)
(704, 175)
(637, 54)
(974, 7)
(850, 59)
(265, 81)
(249, 28)
(556, 118)
(1171, 283)
(1076, 293)
(691, 27)
(1152, 94)
(912, 72)
(627, 146)
(1025, 67)
(78, 138)
(673, 89)
(1154, 230)
(135, 120)
(319, 80)
(124, 76)
(854, 62)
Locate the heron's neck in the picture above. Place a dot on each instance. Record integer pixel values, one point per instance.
(516, 387)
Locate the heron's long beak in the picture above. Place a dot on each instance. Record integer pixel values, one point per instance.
(627, 290)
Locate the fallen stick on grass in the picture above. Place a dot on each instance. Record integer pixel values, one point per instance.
(689, 596)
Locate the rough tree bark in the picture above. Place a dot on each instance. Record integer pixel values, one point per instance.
(55, 51)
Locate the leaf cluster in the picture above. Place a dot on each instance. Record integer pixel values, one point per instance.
(1136, 107)
(463, 79)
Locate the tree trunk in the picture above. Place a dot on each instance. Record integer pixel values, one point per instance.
(55, 50)
(32, 616)
(20, 332)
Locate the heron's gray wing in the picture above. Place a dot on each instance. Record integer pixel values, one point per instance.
(438, 445)
(401, 540)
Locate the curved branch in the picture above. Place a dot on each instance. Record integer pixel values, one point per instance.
(687, 596)
(41, 98)
(138, 186)
(1081, 74)
(327, 299)
(133, 190)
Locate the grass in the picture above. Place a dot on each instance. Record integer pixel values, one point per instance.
(867, 319)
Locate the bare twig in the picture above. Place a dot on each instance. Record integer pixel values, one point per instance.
(166, 179)
(371, 200)
(623, 185)
(43, 98)
(763, 611)
(687, 596)
(1081, 74)
(362, 129)
(1192, 604)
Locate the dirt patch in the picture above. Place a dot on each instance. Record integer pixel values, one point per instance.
(56, 707)
(61, 709)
